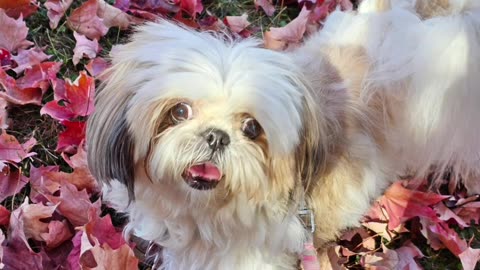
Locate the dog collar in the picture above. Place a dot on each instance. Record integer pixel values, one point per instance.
(308, 257)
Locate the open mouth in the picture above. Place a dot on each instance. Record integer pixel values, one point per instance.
(203, 176)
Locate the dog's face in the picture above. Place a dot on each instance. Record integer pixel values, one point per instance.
(203, 115)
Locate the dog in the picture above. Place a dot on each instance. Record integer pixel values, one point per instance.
(211, 145)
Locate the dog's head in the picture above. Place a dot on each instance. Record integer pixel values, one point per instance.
(204, 113)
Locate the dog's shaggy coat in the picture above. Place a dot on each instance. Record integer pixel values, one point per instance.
(389, 90)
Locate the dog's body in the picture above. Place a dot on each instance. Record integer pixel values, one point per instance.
(374, 95)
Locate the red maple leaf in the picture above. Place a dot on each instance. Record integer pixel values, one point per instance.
(71, 137)
(77, 99)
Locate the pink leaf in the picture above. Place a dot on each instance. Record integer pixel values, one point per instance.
(191, 7)
(28, 58)
(237, 23)
(26, 220)
(76, 211)
(11, 182)
(439, 234)
(401, 258)
(4, 216)
(402, 204)
(84, 48)
(278, 38)
(13, 33)
(4, 121)
(121, 258)
(85, 21)
(266, 5)
(55, 10)
(39, 76)
(114, 17)
(96, 67)
(58, 232)
(12, 151)
(469, 258)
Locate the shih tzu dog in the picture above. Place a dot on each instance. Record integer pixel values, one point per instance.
(212, 145)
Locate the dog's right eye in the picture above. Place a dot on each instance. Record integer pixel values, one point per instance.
(181, 112)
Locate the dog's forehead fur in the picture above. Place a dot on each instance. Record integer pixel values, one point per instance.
(183, 64)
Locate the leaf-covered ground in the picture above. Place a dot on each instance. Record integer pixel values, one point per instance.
(51, 216)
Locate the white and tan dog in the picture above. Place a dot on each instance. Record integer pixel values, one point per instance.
(210, 145)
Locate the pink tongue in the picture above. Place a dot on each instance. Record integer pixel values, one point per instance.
(208, 171)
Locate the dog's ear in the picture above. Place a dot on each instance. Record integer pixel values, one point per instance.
(311, 153)
(109, 142)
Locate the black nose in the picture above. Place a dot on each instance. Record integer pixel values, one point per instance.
(217, 139)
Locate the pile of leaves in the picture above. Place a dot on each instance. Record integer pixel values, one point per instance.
(52, 217)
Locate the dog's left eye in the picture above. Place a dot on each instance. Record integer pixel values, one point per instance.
(181, 112)
(251, 128)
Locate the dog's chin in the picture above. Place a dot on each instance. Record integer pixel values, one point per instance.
(203, 176)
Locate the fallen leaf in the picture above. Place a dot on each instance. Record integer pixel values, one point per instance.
(41, 184)
(78, 99)
(102, 229)
(39, 76)
(58, 232)
(84, 48)
(4, 121)
(11, 182)
(76, 211)
(28, 58)
(55, 10)
(4, 217)
(85, 21)
(13, 33)
(114, 17)
(402, 258)
(6, 60)
(402, 204)
(469, 258)
(469, 212)
(11, 151)
(108, 258)
(440, 235)
(266, 5)
(191, 7)
(14, 94)
(291, 33)
(17, 8)
(96, 67)
(26, 220)
(237, 23)
(445, 214)
(149, 9)
(71, 137)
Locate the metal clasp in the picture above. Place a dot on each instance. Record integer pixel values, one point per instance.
(307, 218)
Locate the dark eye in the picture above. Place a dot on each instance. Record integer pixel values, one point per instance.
(251, 128)
(181, 112)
